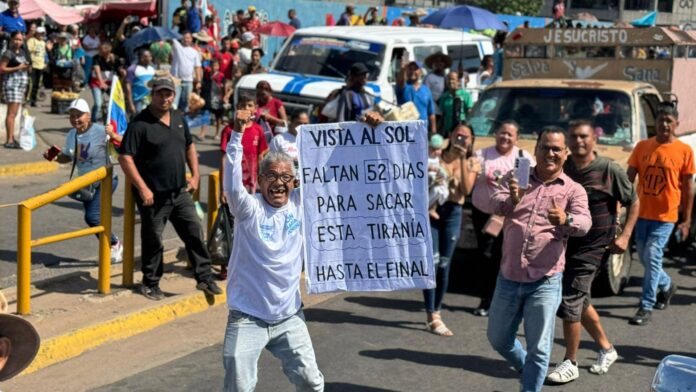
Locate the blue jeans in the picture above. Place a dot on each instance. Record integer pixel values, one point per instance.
(182, 94)
(445, 232)
(288, 340)
(92, 208)
(96, 108)
(651, 239)
(536, 303)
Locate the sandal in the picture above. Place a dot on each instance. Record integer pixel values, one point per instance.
(438, 328)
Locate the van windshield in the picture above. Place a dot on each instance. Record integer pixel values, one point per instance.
(329, 56)
(536, 108)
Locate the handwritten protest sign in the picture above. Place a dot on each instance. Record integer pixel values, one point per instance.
(365, 196)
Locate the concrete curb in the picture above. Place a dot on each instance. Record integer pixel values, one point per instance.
(24, 169)
(74, 343)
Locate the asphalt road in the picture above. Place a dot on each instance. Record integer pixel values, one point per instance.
(376, 342)
(67, 215)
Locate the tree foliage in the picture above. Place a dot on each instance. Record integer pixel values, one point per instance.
(511, 7)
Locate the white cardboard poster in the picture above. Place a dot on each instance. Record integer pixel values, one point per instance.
(365, 205)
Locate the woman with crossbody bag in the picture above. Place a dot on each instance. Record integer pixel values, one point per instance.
(86, 147)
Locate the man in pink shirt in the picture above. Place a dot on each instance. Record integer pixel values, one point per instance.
(538, 222)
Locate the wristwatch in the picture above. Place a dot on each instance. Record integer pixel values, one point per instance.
(569, 219)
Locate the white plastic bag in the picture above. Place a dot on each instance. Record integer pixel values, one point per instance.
(330, 110)
(27, 135)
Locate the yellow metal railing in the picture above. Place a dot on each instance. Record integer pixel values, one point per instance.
(25, 243)
(129, 221)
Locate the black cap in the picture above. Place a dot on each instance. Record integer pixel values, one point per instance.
(162, 82)
(358, 69)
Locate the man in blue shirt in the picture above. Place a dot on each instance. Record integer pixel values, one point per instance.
(193, 19)
(410, 89)
(10, 21)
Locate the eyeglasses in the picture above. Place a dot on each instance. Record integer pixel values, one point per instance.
(273, 177)
(553, 149)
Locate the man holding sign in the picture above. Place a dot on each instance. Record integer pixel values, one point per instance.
(539, 221)
(264, 271)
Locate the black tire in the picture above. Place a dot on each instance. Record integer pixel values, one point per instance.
(613, 276)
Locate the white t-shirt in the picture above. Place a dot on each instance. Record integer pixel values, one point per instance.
(266, 261)
(286, 142)
(184, 61)
(244, 57)
(91, 45)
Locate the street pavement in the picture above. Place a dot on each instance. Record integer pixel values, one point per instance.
(64, 214)
(375, 342)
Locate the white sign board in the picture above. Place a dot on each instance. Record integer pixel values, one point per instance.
(365, 206)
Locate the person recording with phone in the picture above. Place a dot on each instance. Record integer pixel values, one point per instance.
(539, 220)
(458, 161)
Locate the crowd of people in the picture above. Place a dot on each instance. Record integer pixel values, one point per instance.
(543, 245)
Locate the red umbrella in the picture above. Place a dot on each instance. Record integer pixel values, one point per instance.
(276, 29)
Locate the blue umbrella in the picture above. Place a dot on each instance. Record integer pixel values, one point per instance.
(464, 17)
(150, 35)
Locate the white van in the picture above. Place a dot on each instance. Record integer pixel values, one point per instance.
(314, 61)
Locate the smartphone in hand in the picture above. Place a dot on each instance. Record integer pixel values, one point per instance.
(52, 153)
(522, 168)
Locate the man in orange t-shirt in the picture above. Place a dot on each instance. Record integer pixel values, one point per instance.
(665, 167)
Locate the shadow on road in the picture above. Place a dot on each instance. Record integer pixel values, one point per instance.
(47, 259)
(387, 303)
(344, 386)
(341, 317)
(473, 363)
(638, 355)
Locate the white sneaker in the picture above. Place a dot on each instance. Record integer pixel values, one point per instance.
(604, 360)
(563, 373)
(117, 253)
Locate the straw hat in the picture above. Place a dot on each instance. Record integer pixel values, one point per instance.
(420, 12)
(202, 36)
(24, 342)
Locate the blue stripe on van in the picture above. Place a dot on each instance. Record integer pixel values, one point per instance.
(298, 82)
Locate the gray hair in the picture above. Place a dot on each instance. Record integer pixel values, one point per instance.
(275, 157)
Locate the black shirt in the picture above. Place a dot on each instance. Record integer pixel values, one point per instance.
(606, 184)
(14, 59)
(159, 151)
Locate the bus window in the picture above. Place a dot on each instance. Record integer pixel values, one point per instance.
(422, 52)
(585, 52)
(535, 51)
(467, 55)
(645, 52)
(680, 52)
(513, 51)
(692, 52)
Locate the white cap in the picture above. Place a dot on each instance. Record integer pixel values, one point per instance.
(41, 30)
(248, 37)
(79, 105)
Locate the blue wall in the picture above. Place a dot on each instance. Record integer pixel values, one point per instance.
(313, 13)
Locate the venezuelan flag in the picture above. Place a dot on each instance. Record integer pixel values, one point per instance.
(117, 108)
